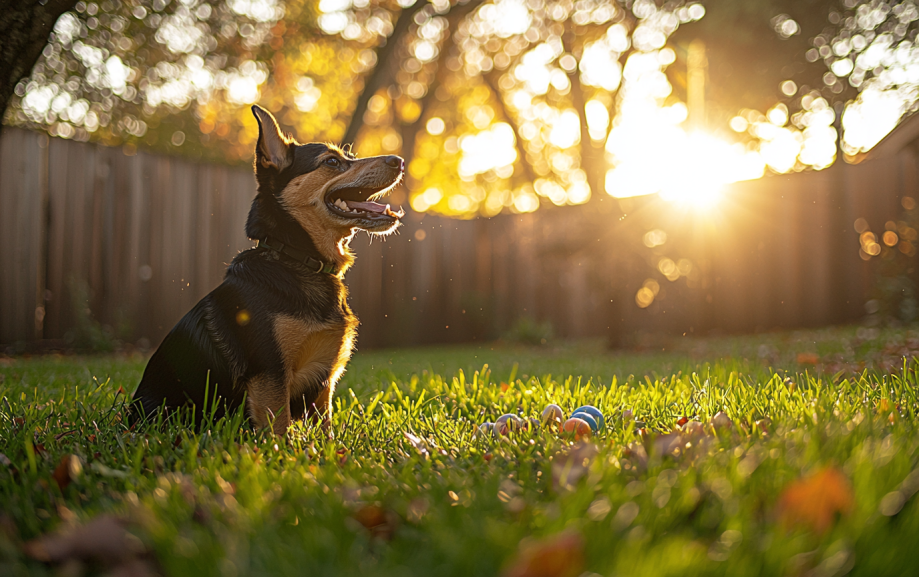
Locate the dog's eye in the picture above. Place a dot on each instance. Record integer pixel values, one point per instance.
(333, 162)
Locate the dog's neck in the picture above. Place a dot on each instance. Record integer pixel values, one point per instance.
(337, 253)
(267, 219)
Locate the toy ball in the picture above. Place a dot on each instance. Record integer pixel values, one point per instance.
(506, 424)
(577, 427)
(593, 412)
(530, 425)
(486, 428)
(552, 415)
(587, 418)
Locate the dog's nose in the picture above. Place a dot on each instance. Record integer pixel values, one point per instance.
(394, 162)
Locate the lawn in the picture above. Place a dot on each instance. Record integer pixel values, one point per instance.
(811, 470)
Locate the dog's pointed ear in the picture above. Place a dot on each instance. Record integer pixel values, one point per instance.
(273, 147)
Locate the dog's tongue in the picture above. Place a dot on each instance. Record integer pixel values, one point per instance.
(367, 206)
(376, 207)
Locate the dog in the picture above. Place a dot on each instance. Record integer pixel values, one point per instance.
(278, 331)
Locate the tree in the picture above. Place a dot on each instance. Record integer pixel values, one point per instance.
(24, 29)
(139, 71)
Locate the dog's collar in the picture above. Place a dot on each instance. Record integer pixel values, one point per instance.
(314, 264)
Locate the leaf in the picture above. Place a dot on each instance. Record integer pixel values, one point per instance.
(104, 540)
(570, 466)
(67, 470)
(807, 359)
(815, 501)
(560, 555)
(380, 522)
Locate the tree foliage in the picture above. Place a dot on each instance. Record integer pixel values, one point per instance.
(497, 104)
(24, 29)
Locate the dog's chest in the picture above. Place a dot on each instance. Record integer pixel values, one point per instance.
(312, 352)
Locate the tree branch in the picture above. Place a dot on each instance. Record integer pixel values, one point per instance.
(410, 131)
(490, 80)
(382, 72)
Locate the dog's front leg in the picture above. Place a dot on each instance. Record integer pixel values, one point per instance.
(320, 412)
(269, 404)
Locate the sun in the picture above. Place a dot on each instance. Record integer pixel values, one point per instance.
(687, 169)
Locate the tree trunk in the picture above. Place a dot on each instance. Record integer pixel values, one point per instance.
(24, 29)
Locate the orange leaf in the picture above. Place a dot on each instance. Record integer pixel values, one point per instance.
(816, 500)
(67, 470)
(808, 358)
(561, 555)
(378, 521)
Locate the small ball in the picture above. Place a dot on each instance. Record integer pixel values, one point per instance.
(486, 428)
(593, 412)
(587, 418)
(507, 424)
(576, 427)
(552, 415)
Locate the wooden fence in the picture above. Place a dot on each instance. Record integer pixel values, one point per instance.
(132, 242)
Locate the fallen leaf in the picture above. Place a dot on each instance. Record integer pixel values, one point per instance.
(561, 555)
(807, 358)
(104, 540)
(569, 466)
(816, 500)
(67, 470)
(380, 523)
(669, 444)
(722, 421)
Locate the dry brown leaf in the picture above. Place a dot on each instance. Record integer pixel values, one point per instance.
(561, 555)
(568, 467)
(70, 467)
(815, 501)
(808, 358)
(668, 444)
(380, 522)
(104, 540)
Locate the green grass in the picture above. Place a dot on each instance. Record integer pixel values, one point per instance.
(232, 501)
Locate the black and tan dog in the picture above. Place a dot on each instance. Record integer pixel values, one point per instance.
(278, 331)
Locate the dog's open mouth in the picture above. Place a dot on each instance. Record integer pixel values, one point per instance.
(360, 203)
